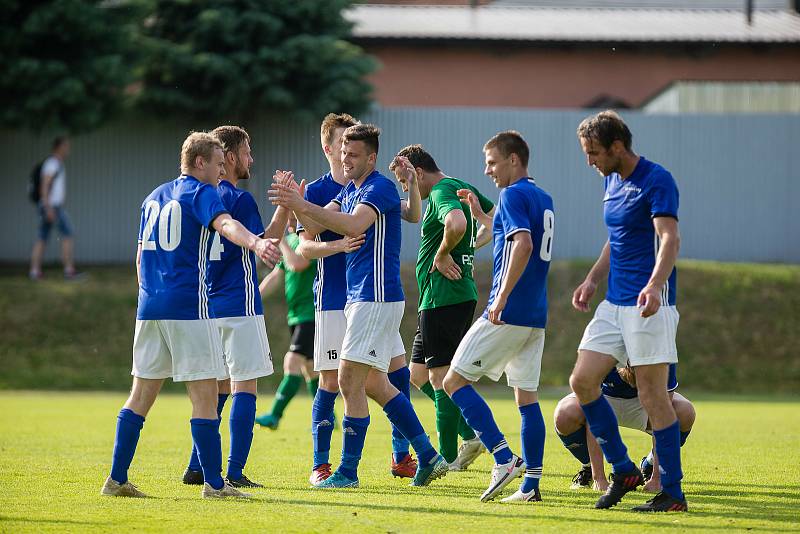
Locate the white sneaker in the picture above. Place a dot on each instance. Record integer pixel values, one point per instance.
(502, 475)
(518, 496)
(467, 453)
(112, 488)
(225, 491)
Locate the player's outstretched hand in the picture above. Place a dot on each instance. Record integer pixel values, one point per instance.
(268, 251)
(582, 295)
(649, 301)
(350, 244)
(445, 264)
(468, 197)
(287, 195)
(404, 171)
(496, 309)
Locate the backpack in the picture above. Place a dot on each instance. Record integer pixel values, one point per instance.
(35, 183)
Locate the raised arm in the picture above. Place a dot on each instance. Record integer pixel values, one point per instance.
(521, 248)
(311, 249)
(584, 292)
(291, 259)
(484, 235)
(670, 243)
(455, 226)
(411, 209)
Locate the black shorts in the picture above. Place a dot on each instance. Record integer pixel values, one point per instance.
(439, 331)
(302, 339)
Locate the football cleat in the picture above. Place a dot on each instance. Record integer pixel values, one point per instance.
(646, 468)
(519, 496)
(405, 468)
(320, 474)
(436, 468)
(583, 479)
(223, 493)
(112, 488)
(192, 477)
(663, 502)
(467, 453)
(502, 474)
(268, 421)
(243, 482)
(337, 480)
(621, 483)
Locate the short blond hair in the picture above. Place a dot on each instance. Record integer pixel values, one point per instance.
(201, 144)
(332, 122)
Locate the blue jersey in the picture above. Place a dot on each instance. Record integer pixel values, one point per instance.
(330, 284)
(614, 386)
(629, 207)
(373, 271)
(232, 276)
(175, 233)
(523, 207)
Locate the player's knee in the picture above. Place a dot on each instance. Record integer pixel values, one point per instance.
(580, 385)
(453, 382)
(419, 375)
(686, 414)
(568, 416)
(329, 381)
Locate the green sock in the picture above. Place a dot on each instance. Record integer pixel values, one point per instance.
(427, 389)
(447, 415)
(464, 430)
(288, 389)
(312, 386)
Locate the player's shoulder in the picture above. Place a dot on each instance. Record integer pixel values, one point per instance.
(319, 184)
(656, 173)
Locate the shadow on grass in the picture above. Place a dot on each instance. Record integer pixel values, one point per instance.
(4, 518)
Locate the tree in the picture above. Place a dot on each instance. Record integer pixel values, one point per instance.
(64, 63)
(233, 58)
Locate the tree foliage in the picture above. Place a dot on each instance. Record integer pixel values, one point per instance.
(233, 58)
(64, 64)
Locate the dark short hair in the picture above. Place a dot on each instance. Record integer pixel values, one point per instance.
(419, 157)
(58, 141)
(510, 142)
(231, 137)
(331, 122)
(605, 128)
(363, 132)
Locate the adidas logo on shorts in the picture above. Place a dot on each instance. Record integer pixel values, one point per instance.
(476, 363)
(372, 353)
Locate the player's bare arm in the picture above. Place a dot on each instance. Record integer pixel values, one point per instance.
(521, 249)
(271, 282)
(484, 235)
(411, 209)
(311, 249)
(455, 226)
(291, 259)
(650, 297)
(44, 196)
(469, 198)
(584, 292)
(236, 233)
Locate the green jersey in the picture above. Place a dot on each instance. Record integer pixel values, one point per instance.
(435, 290)
(299, 288)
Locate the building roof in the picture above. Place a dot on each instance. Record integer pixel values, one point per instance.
(548, 24)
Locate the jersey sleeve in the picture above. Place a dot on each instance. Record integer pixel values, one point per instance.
(381, 195)
(444, 200)
(206, 205)
(50, 167)
(663, 196)
(245, 210)
(513, 211)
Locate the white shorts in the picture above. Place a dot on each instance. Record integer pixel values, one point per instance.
(246, 348)
(491, 349)
(630, 412)
(621, 332)
(373, 333)
(184, 350)
(329, 329)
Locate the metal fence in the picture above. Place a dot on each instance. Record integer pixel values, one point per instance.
(737, 176)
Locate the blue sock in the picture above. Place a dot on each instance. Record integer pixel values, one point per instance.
(403, 417)
(322, 425)
(354, 431)
(668, 448)
(400, 379)
(479, 417)
(649, 459)
(684, 437)
(205, 433)
(532, 434)
(576, 444)
(194, 461)
(129, 425)
(604, 426)
(243, 416)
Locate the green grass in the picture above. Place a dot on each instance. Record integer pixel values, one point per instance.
(740, 465)
(739, 327)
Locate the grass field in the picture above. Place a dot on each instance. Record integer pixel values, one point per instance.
(740, 464)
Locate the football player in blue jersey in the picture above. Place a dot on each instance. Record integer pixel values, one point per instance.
(233, 289)
(176, 335)
(509, 337)
(619, 388)
(368, 205)
(637, 321)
